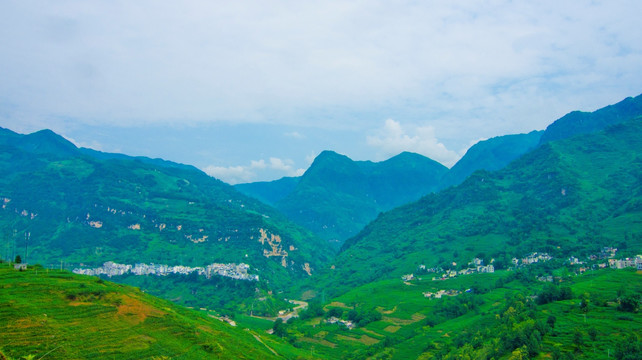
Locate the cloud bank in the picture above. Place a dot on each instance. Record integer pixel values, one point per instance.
(393, 139)
(459, 70)
(257, 168)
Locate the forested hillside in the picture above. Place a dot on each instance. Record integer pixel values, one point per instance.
(62, 205)
(337, 196)
(568, 197)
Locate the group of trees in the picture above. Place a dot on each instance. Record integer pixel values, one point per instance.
(552, 292)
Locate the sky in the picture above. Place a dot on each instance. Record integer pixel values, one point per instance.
(254, 90)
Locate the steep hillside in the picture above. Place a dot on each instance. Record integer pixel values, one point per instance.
(62, 204)
(492, 154)
(579, 122)
(58, 315)
(269, 192)
(337, 196)
(569, 197)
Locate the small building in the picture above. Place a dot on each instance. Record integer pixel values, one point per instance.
(20, 267)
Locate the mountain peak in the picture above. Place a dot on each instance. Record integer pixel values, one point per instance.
(579, 122)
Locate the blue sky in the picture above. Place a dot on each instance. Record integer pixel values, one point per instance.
(254, 90)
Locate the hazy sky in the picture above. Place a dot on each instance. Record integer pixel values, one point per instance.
(254, 90)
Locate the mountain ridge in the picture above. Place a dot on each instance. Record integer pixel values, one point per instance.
(553, 199)
(125, 209)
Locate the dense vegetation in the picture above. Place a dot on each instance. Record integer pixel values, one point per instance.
(570, 197)
(492, 154)
(66, 206)
(503, 315)
(337, 196)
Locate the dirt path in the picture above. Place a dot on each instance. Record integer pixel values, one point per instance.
(258, 338)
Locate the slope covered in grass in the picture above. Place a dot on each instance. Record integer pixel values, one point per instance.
(58, 315)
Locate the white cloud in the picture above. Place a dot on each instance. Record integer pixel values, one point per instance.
(230, 174)
(393, 138)
(293, 63)
(475, 69)
(294, 135)
(258, 164)
(258, 169)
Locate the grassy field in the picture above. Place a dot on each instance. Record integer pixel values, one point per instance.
(59, 315)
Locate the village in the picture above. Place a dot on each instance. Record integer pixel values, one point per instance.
(110, 268)
(476, 265)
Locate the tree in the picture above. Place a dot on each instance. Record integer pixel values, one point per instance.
(629, 302)
(578, 338)
(18, 259)
(584, 302)
(551, 321)
(334, 312)
(280, 328)
(629, 349)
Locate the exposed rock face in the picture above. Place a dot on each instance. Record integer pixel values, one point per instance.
(275, 246)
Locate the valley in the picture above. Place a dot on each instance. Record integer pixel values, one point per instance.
(529, 247)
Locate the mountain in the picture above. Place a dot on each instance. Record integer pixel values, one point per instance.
(59, 315)
(579, 122)
(492, 154)
(337, 196)
(269, 192)
(567, 197)
(83, 208)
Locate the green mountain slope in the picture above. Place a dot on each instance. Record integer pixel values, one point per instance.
(579, 122)
(269, 192)
(500, 315)
(337, 196)
(492, 154)
(566, 197)
(58, 315)
(62, 204)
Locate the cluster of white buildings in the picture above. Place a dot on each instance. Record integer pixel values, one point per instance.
(440, 293)
(335, 320)
(110, 268)
(608, 253)
(531, 258)
(626, 263)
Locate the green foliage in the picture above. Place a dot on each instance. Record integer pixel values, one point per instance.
(280, 328)
(629, 348)
(569, 197)
(492, 154)
(552, 292)
(363, 317)
(314, 309)
(86, 207)
(629, 302)
(337, 197)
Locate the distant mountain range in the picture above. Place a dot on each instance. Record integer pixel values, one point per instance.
(80, 206)
(336, 197)
(567, 197)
